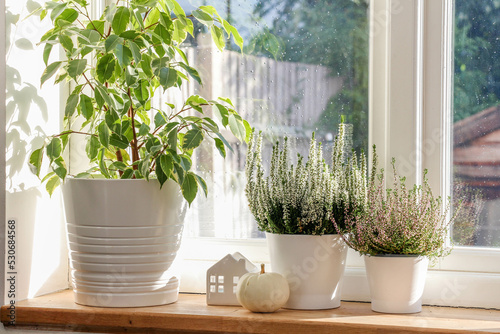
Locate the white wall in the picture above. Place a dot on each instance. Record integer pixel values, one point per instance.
(41, 260)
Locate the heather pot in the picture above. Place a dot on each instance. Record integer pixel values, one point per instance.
(313, 266)
(396, 282)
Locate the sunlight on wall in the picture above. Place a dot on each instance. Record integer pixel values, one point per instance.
(31, 112)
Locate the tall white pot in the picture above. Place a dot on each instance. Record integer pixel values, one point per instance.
(313, 266)
(123, 236)
(396, 282)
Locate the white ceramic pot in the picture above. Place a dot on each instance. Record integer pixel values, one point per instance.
(313, 266)
(396, 282)
(123, 237)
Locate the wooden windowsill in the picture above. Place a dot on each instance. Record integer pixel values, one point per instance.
(190, 314)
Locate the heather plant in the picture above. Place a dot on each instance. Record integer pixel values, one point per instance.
(400, 220)
(304, 198)
(466, 223)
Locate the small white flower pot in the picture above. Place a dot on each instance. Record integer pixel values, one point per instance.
(396, 282)
(313, 266)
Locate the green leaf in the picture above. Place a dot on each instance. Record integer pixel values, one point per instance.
(35, 162)
(82, 175)
(192, 139)
(123, 55)
(136, 52)
(166, 21)
(138, 18)
(50, 71)
(119, 165)
(218, 37)
(236, 35)
(66, 42)
(104, 94)
(103, 132)
(92, 147)
(146, 65)
(180, 33)
(203, 17)
(168, 77)
(76, 67)
(71, 104)
(60, 77)
(159, 63)
(143, 130)
(189, 188)
(131, 76)
(58, 10)
(221, 113)
(227, 100)
(141, 92)
(237, 127)
(221, 137)
(47, 50)
(160, 175)
(166, 164)
(153, 17)
(105, 67)
(111, 42)
(130, 34)
(186, 163)
(54, 148)
(59, 168)
(68, 15)
(102, 164)
(220, 147)
(120, 20)
(127, 174)
(248, 130)
(201, 183)
(144, 166)
(97, 25)
(86, 106)
(163, 34)
(119, 141)
(172, 138)
(192, 72)
(52, 184)
(160, 119)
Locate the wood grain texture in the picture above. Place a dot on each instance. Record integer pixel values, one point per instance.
(191, 315)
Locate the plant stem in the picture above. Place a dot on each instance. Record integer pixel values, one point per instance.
(74, 132)
(133, 143)
(119, 157)
(88, 81)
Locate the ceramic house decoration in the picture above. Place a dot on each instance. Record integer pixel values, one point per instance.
(223, 277)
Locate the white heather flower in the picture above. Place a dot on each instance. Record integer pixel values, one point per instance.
(306, 197)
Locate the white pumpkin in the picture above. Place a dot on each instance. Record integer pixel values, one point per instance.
(262, 292)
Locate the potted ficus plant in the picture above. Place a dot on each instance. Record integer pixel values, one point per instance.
(294, 205)
(124, 231)
(401, 230)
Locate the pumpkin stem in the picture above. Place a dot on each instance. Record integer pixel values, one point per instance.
(262, 265)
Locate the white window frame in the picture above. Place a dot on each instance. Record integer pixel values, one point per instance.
(410, 98)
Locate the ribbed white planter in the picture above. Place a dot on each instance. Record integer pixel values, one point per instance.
(313, 266)
(396, 282)
(123, 236)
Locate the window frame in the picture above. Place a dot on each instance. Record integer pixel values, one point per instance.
(410, 101)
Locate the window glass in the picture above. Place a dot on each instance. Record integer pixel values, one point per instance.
(476, 128)
(305, 64)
